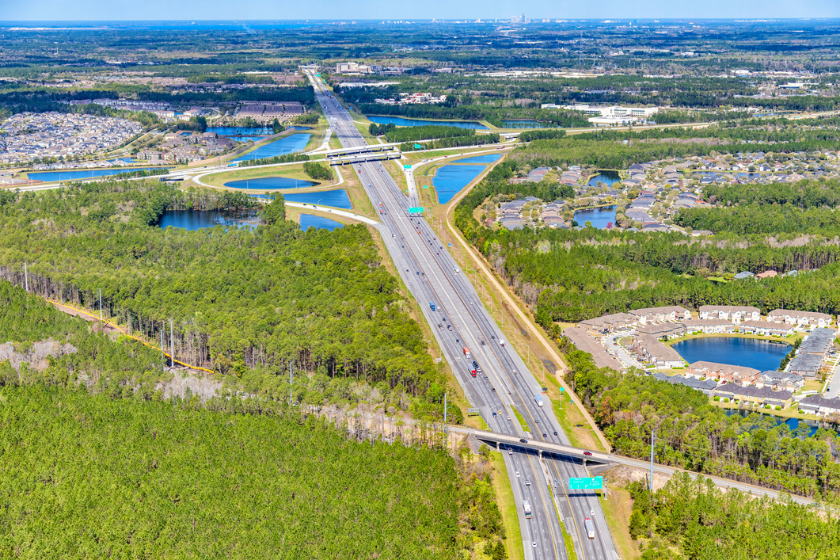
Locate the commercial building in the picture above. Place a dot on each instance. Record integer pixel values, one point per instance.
(356, 68)
(612, 115)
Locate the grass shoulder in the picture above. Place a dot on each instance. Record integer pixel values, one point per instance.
(507, 506)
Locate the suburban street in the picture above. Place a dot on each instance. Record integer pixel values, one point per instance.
(459, 320)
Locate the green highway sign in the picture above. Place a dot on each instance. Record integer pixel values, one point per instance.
(406, 167)
(415, 210)
(595, 483)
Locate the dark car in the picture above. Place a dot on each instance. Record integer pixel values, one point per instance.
(555, 432)
(524, 440)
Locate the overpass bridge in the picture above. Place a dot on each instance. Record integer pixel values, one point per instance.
(541, 447)
(363, 157)
(372, 148)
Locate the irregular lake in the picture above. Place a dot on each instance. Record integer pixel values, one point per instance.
(599, 217)
(199, 219)
(270, 183)
(488, 158)
(280, 147)
(605, 177)
(310, 220)
(82, 173)
(450, 179)
(400, 121)
(762, 355)
(336, 198)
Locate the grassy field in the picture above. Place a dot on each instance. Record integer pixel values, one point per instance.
(575, 426)
(617, 507)
(507, 505)
(243, 173)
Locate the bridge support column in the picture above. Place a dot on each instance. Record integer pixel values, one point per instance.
(540, 451)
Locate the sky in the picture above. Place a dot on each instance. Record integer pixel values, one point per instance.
(104, 10)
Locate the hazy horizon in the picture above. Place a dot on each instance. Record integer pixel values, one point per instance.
(258, 10)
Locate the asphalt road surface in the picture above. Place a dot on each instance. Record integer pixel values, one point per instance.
(460, 320)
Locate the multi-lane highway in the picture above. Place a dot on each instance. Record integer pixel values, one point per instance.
(459, 320)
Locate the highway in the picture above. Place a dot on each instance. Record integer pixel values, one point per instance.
(460, 320)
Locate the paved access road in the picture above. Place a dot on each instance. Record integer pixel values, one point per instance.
(460, 320)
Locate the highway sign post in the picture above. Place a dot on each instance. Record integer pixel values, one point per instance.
(415, 211)
(593, 483)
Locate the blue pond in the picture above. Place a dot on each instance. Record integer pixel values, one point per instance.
(599, 217)
(281, 147)
(81, 174)
(198, 219)
(488, 158)
(605, 177)
(792, 423)
(319, 222)
(125, 159)
(336, 198)
(450, 179)
(528, 124)
(762, 355)
(270, 183)
(399, 121)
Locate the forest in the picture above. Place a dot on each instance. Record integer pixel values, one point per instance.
(694, 520)
(110, 419)
(693, 434)
(96, 477)
(250, 303)
(454, 142)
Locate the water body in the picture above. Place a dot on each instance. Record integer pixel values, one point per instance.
(319, 222)
(606, 177)
(600, 217)
(270, 183)
(240, 130)
(125, 159)
(199, 219)
(792, 423)
(280, 147)
(400, 121)
(82, 173)
(489, 158)
(450, 179)
(528, 124)
(762, 355)
(336, 198)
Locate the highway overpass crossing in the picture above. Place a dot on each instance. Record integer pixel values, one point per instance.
(542, 447)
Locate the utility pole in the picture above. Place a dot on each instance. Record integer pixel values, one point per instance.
(100, 304)
(162, 356)
(652, 440)
(171, 343)
(291, 381)
(25, 277)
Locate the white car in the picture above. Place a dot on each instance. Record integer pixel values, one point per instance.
(517, 474)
